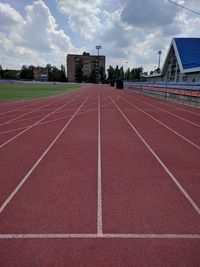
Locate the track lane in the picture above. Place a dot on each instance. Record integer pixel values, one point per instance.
(119, 250)
(7, 108)
(182, 127)
(35, 123)
(7, 132)
(20, 103)
(36, 109)
(180, 157)
(138, 195)
(25, 150)
(100, 252)
(191, 118)
(192, 139)
(27, 113)
(72, 190)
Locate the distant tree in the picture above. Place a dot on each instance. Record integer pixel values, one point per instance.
(49, 67)
(30, 72)
(135, 74)
(132, 74)
(117, 73)
(1, 72)
(11, 74)
(111, 73)
(63, 77)
(79, 72)
(55, 74)
(92, 77)
(26, 72)
(121, 70)
(23, 72)
(102, 74)
(127, 75)
(138, 73)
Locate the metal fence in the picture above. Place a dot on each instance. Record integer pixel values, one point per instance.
(184, 93)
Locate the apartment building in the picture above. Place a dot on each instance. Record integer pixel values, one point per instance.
(91, 65)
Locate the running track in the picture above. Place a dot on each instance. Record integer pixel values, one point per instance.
(99, 177)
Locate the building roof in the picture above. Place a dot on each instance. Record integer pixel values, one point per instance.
(187, 51)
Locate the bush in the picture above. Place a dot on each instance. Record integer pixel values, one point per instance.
(119, 84)
(112, 83)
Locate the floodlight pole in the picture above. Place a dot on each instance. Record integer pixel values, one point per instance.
(159, 53)
(98, 47)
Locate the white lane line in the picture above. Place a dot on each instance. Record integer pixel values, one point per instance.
(34, 101)
(61, 118)
(99, 200)
(29, 112)
(34, 124)
(30, 104)
(153, 118)
(39, 160)
(96, 236)
(152, 236)
(187, 196)
(96, 102)
(18, 108)
(168, 112)
(170, 105)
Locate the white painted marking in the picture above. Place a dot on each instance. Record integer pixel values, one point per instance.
(29, 112)
(171, 104)
(30, 103)
(96, 102)
(184, 138)
(34, 124)
(50, 121)
(168, 112)
(187, 196)
(96, 236)
(39, 160)
(17, 108)
(153, 236)
(99, 201)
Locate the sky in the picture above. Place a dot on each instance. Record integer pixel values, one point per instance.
(37, 32)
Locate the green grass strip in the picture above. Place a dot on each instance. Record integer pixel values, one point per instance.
(21, 91)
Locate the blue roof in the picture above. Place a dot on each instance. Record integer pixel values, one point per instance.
(189, 52)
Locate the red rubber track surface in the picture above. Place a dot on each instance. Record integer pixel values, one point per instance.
(101, 177)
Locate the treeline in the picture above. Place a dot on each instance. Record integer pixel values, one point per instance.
(92, 78)
(55, 74)
(8, 74)
(134, 74)
(27, 73)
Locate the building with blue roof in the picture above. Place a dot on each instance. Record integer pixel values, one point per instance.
(182, 62)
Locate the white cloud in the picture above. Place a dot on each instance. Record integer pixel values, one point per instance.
(35, 39)
(153, 24)
(128, 30)
(83, 16)
(149, 14)
(9, 16)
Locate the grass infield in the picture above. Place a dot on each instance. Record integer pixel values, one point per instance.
(21, 91)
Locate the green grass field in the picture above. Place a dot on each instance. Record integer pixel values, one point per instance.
(19, 91)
